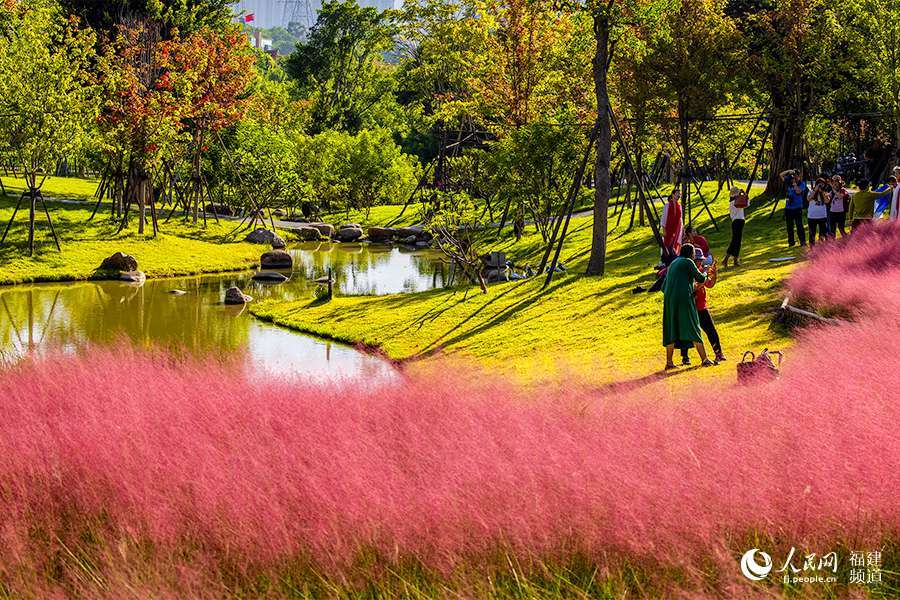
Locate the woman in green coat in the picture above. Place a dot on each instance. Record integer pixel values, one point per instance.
(681, 324)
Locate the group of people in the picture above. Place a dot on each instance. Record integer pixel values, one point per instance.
(830, 206)
(688, 270)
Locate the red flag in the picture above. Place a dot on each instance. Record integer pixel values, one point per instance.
(249, 18)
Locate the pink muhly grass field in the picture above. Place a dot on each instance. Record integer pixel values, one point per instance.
(127, 455)
(857, 275)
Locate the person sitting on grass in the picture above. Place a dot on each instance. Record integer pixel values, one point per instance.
(862, 205)
(706, 321)
(681, 323)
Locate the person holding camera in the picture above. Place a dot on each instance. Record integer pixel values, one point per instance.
(738, 201)
(796, 190)
(817, 213)
(838, 205)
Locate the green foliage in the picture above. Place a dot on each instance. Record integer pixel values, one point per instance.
(186, 15)
(262, 167)
(51, 101)
(355, 172)
(695, 68)
(531, 170)
(341, 64)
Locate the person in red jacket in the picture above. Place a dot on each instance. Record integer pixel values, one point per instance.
(706, 321)
(671, 225)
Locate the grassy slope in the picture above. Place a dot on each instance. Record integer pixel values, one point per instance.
(389, 215)
(585, 326)
(179, 250)
(70, 188)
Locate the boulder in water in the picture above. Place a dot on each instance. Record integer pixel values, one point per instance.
(133, 277)
(177, 293)
(276, 259)
(417, 232)
(234, 296)
(308, 233)
(349, 234)
(380, 235)
(119, 262)
(270, 277)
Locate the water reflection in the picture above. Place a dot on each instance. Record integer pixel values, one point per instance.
(36, 318)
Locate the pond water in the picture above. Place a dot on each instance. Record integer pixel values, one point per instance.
(41, 317)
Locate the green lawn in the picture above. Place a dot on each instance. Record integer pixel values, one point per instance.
(180, 249)
(68, 188)
(585, 326)
(387, 215)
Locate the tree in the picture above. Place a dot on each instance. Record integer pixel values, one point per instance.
(613, 22)
(521, 38)
(142, 114)
(186, 16)
(209, 73)
(261, 169)
(531, 168)
(355, 172)
(791, 44)
(695, 67)
(341, 63)
(50, 101)
(436, 39)
(877, 29)
(460, 235)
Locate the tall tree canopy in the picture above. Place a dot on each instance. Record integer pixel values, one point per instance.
(341, 62)
(51, 102)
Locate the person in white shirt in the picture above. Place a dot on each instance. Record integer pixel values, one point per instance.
(895, 199)
(738, 201)
(837, 207)
(817, 213)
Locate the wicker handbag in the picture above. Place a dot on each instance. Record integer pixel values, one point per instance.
(759, 368)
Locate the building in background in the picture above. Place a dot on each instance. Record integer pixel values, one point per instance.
(280, 13)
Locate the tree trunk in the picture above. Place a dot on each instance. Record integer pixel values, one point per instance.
(685, 176)
(785, 150)
(597, 262)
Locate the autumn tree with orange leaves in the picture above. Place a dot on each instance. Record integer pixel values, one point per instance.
(164, 99)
